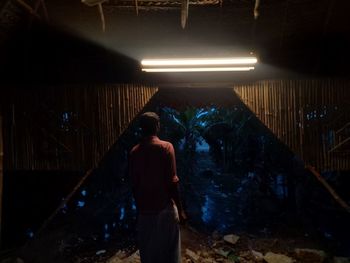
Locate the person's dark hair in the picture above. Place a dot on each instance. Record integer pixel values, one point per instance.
(149, 122)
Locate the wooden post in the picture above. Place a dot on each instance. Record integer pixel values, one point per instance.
(336, 197)
(1, 174)
(137, 7)
(65, 200)
(28, 8)
(100, 10)
(97, 3)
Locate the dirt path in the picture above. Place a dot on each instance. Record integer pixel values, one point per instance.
(200, 248)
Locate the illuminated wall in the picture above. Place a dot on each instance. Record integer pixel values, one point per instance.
(310, 116)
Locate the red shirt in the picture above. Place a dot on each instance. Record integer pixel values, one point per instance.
(152, 170)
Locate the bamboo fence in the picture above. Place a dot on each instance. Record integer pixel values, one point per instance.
(305, 115)
(70, 127)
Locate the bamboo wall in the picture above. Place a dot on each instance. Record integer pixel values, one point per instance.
(71, 128)
(305, 115)
(68, 128)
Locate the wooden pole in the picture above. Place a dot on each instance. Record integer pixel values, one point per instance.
(46, 14)
(336, 197)
(65, 200)
(28, 8)
(100, 10)
(137, 7)
(1, 174)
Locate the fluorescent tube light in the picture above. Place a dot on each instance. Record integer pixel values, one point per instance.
(200, 61)
(197, 69)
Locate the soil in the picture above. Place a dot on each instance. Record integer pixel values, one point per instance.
(205, 247)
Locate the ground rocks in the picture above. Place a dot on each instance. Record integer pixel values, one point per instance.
(192, 255)
(258, 256)
(341, 260)
(121, 257)
(313, 255)
(271, 257)
(232, 239)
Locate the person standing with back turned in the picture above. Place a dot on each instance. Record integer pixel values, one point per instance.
(152, 171)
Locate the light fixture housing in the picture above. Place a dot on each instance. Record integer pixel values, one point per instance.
(199, 69)
(199, 64)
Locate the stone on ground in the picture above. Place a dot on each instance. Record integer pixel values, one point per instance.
(271, 257)
(341, 260)
(258, 256)
(232, 239)
(192, 255)
(120, 257)
(222, 252)
(314, 255)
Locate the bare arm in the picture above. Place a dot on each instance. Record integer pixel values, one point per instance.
(175, 195)
(174, 185)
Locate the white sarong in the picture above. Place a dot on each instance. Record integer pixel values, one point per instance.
(159, 236)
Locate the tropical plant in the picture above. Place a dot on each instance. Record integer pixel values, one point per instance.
(226, 135)
(184, 129)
